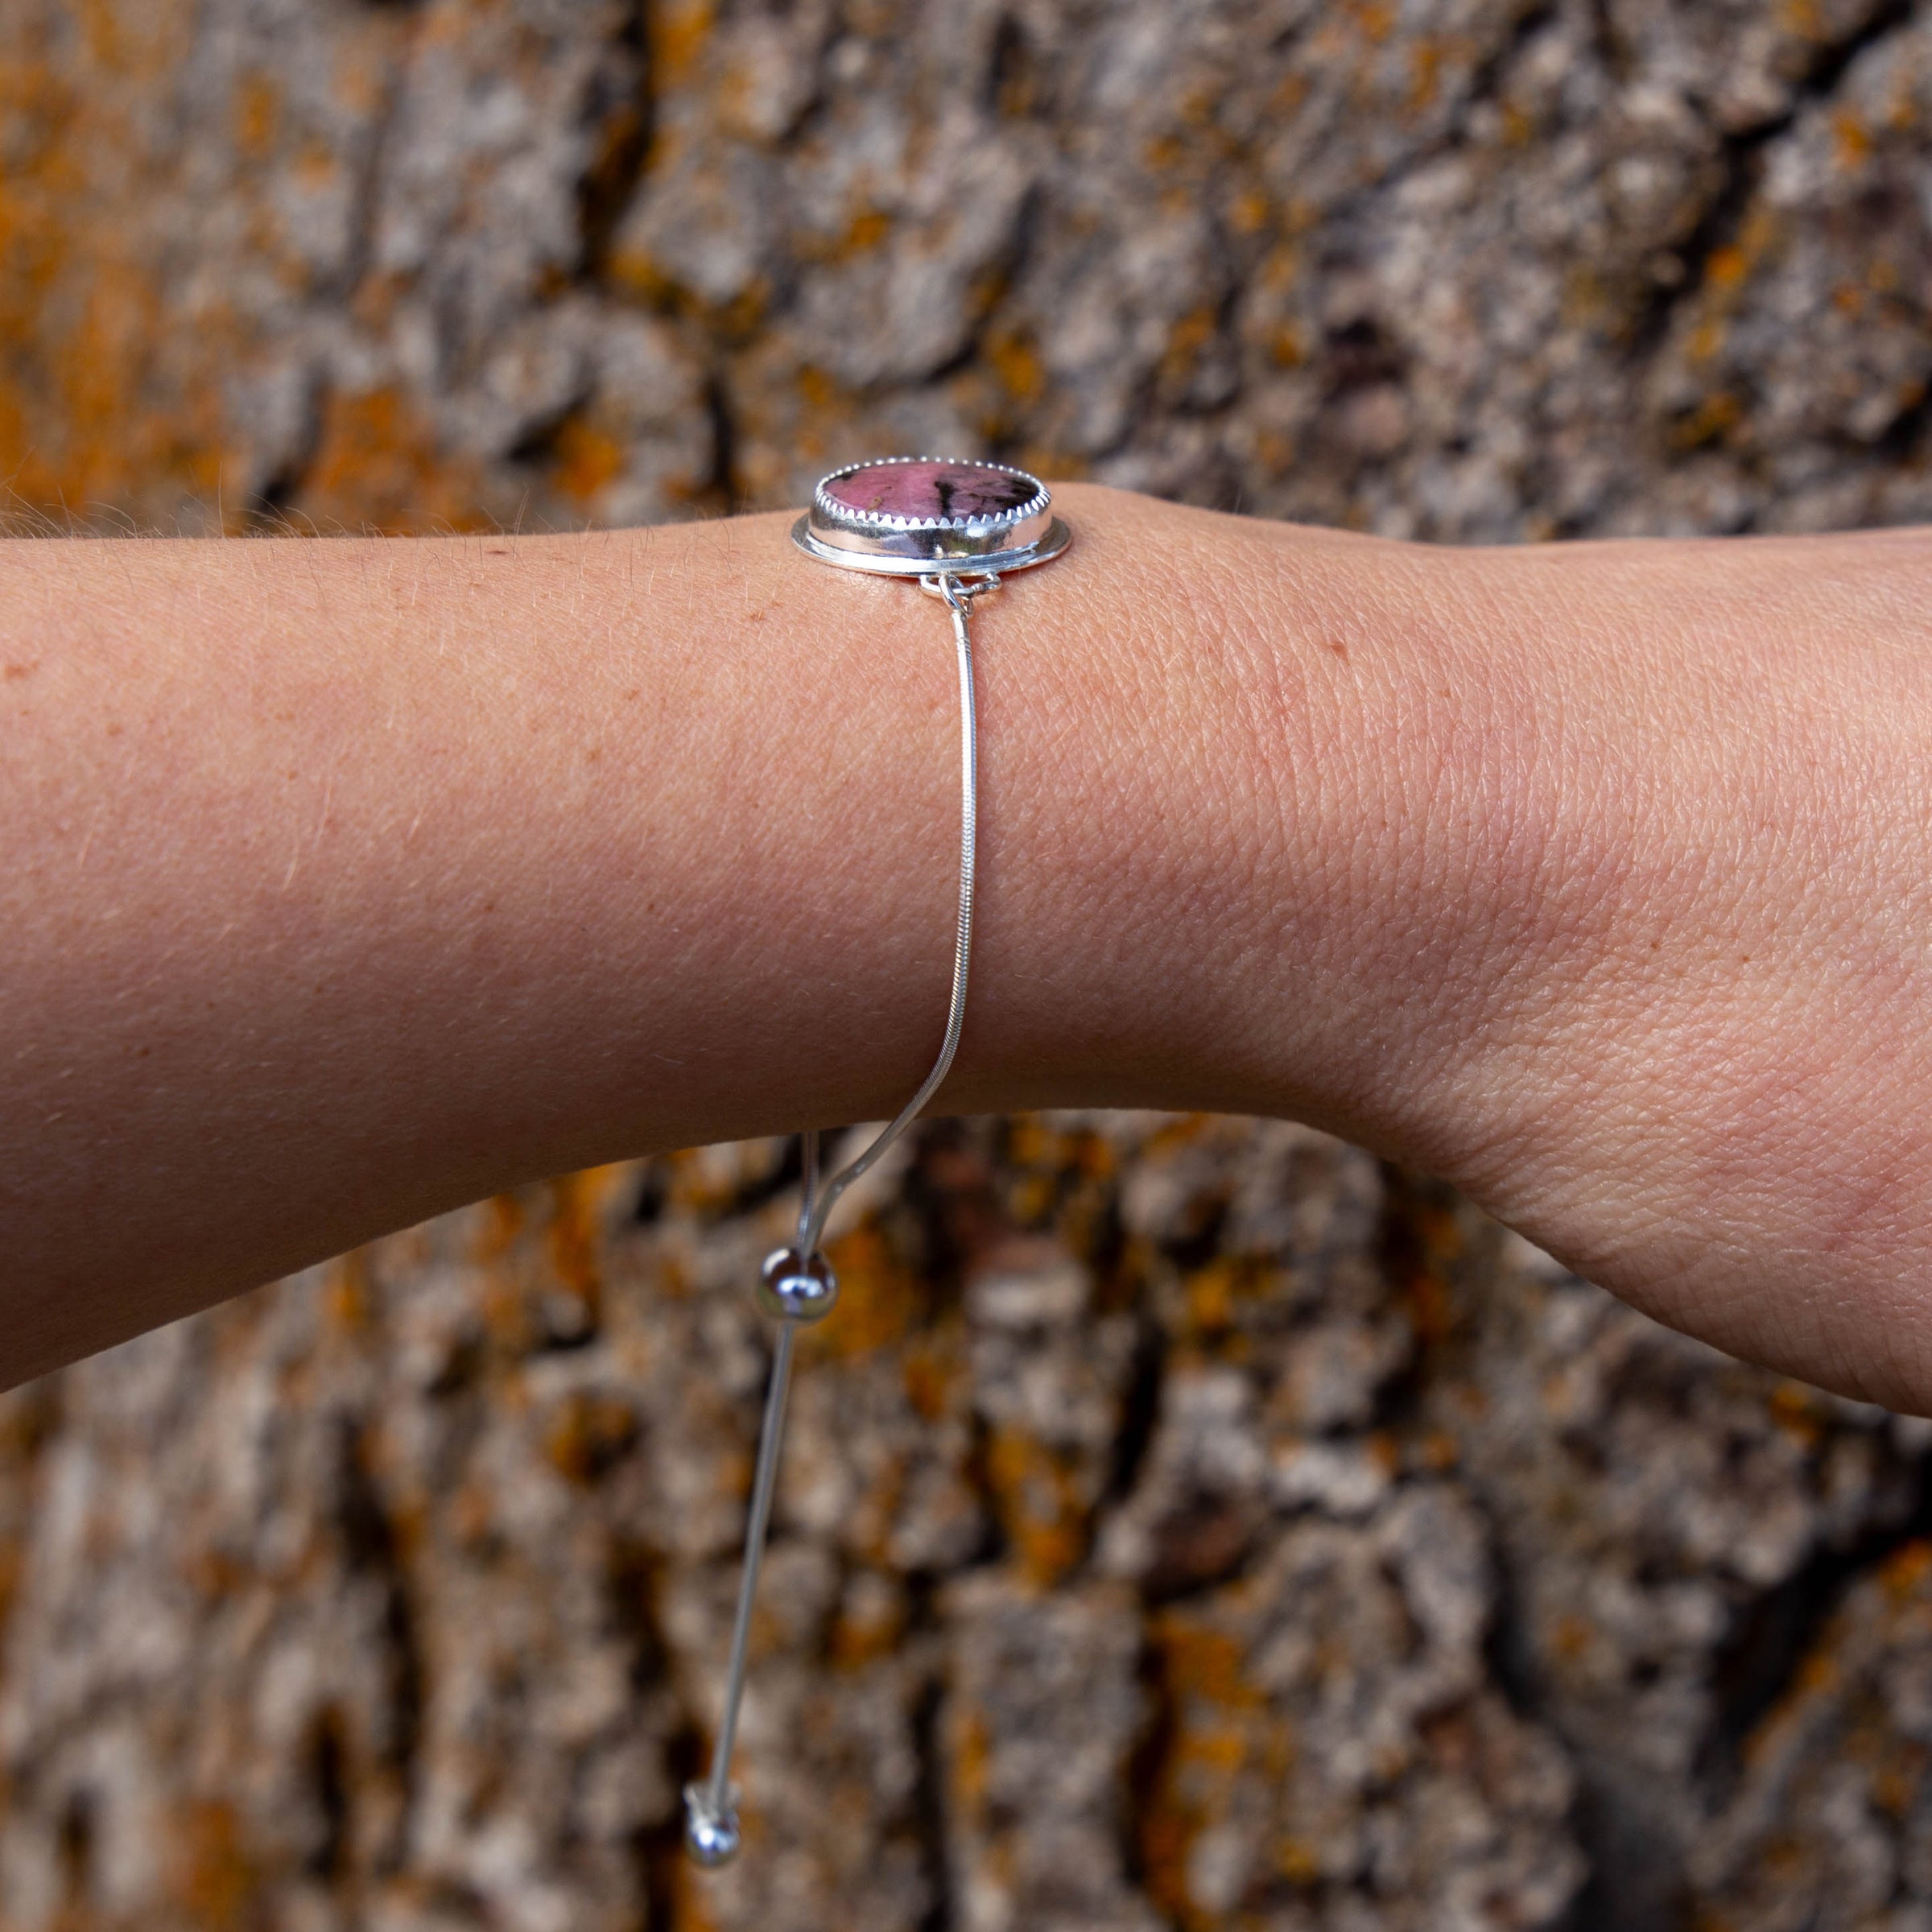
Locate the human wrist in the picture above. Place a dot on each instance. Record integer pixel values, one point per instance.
(1694, 1068)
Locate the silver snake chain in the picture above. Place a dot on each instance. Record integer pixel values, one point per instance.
(711, 1829)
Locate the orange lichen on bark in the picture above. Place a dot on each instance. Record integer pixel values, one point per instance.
(585, 461)
(1435, 1245)
(347, 1302)
(868, 1628)
(257, 108)
(1794, 1408)
(218, 1883)
(678, 31)
(81, 428)
(1212, 1712)
(1907, 1570)
(934, 1377)
(377, 468)
(106, 403)
(1851, 140)
(588, 1432)
(879, 1297)
(572, 1237)
(1711, 422)
(1040, 1502)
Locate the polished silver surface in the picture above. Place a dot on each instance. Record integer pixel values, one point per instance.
(792, 1287)
(711, 1835)
(958, 598)
(710, 1809)
(922, 563)
(795, 1283)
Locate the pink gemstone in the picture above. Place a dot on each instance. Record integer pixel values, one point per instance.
(928, 491)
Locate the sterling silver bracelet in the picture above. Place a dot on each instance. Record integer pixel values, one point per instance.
(955, 529)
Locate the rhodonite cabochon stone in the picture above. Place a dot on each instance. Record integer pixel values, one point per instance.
(917, 516)
(931, 491)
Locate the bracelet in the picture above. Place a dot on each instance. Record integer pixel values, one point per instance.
(955, 529)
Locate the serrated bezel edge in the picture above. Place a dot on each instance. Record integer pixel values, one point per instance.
(875, 519)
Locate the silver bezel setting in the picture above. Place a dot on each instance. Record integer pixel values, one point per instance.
(925, 546)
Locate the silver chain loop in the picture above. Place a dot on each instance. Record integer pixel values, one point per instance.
(711, 1827)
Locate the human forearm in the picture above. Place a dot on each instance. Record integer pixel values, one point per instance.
(357, 879)
(1703, 1075)
(360, 879)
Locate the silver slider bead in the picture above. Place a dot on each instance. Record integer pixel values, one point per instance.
(792, 1288)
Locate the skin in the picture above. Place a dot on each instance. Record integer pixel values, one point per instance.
(349, 881)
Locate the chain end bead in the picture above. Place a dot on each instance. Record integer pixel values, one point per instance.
(710, 1831)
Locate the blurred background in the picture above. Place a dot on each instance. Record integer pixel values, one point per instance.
(1189, 1523)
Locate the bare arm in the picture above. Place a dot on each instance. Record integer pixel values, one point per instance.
(349, 881)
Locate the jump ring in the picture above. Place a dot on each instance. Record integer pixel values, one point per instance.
(955, 590)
